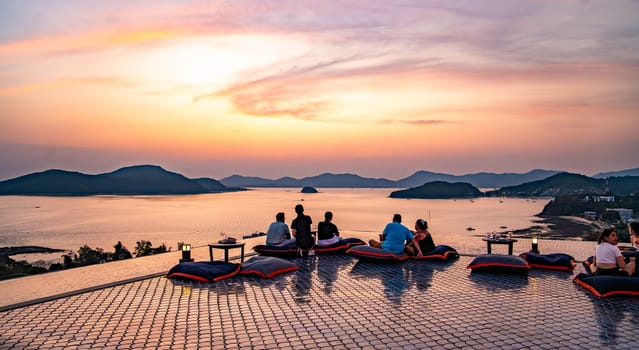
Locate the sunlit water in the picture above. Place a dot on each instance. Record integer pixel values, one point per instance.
(101, 221)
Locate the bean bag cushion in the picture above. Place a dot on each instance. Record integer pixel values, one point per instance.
(375, 254)
(605, 286)
(268, 250)
(441, 252)
(557, 261)
(499, 263)
(266, 266)
(204, 271)
(340, 247)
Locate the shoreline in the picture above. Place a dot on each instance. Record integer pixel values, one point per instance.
(30, 249)
(560, 228)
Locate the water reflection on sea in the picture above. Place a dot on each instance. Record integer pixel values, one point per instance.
(101, 221)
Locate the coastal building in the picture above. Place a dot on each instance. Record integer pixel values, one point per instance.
(603, 198)
(624, 214)
(590, 215)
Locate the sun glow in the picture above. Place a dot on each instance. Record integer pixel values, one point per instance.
(212, 62)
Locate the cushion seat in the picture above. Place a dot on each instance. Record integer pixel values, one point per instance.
(366, 252)
(499, 263)
(269, 250)
(204, 271)
(441, 252)
(267, 266)
(340, 247)
(557, 261)
(605, 286)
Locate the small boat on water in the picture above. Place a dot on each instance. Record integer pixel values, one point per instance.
(470, 228)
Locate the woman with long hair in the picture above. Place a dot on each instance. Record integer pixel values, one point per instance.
(422, 243)
(608, 257)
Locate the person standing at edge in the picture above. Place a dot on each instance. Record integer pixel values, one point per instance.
(301, 228)
(395, 236)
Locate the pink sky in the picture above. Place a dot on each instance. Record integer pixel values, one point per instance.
(299, 88)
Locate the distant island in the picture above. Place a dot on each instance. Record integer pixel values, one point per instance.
(559, 185)
(133, 180)
(308, 189)
(439, 190)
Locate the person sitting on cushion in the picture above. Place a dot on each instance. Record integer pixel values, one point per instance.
(395, 236)
(633, 230)
(327, 233)
(608, 257)
(423, 241)
(278, 234)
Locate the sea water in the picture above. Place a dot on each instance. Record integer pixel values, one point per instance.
(102, 221)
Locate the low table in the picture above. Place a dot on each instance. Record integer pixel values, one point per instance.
(226, 248)
(491, 241)
(627, 254)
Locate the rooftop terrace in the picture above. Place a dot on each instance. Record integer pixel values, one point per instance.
(332, 301)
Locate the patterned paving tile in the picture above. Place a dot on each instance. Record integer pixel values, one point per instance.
(334, 302)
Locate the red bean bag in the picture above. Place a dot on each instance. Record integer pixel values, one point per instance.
(266, 266)
(204, 271)
(498, 263)
(365, 252)
(557, 261)
(608, 285)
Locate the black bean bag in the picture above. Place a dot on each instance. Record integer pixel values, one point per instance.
(269, 250)
(441, 252)
(498, 263)
(606, 285)
(365, 252)
(266, 266)
(340, 247)
(556, 261)
(204, 271)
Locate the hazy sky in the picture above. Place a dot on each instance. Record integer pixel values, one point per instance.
(273, 88)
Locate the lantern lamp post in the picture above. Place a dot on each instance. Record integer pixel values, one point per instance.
(186, 253)
(535, 244)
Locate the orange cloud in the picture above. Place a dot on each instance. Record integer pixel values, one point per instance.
(83, 43)
(64, 83)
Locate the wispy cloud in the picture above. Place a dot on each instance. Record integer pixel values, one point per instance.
(68, 82)
(417, 122)
(43, 47)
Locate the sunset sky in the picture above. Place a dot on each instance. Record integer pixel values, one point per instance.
(297, 88)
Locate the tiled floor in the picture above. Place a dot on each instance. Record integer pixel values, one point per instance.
(334, 302)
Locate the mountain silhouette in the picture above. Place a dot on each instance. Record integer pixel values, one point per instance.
(572, 184)
(627, 172)
(154, 180)
(480, 180)
(133, 180)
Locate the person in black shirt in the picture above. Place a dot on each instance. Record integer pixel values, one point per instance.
(422, 243)
(327, 233)
(301, 229)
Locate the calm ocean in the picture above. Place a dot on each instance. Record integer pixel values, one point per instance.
(101, 221)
